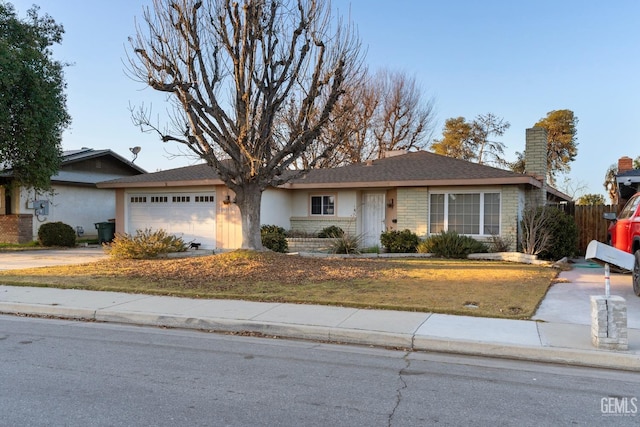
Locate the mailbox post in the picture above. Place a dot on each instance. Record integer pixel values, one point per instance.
(609, 313)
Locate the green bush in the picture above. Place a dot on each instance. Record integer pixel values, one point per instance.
(56, 234)
(331, 232)
(274, 238)
(345, 244)
(449, 244)
(145, 244)
(564, 235)
(399, 241)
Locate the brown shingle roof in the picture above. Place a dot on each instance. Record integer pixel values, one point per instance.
(411, 167)
(419, 168)
(196, 174)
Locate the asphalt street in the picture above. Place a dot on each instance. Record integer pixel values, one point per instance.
(60, 372)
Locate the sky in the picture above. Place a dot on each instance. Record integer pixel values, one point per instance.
(516, 59)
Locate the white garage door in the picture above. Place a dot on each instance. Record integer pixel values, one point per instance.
(191, 216)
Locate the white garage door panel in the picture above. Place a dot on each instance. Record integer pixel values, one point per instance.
(188, 215)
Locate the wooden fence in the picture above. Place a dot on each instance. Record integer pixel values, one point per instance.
(590, 222)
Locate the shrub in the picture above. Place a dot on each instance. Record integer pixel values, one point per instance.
(56, 234)
(399, 241)
(500, 244)
(549, 233)
(535, 232)
(449, 244)
(564, 235)
(301, 234)
(331, 232)
(345, 244)
(145, 244)
(274, 238)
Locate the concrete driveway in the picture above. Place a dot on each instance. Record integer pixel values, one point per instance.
(45, 258)
(570, 302)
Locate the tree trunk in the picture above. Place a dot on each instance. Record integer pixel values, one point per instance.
(249, 200)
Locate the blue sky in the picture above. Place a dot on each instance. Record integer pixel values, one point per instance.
(515, 59)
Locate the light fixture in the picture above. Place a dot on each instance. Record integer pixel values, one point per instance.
(390, 204)
(227, 200)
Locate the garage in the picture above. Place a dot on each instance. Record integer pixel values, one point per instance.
(190, 215)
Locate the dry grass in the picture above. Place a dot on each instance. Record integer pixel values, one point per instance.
(478, 288)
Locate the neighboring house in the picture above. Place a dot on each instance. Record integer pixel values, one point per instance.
(420, 191)
(74, 198)
(628, 179)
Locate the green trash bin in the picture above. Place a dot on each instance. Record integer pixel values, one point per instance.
(106, 231)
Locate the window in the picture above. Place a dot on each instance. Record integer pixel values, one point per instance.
(322, 205)
(204, 199)
(465, 213)
(138, 199)
(158, 199)
(181, 199)
(630, 208)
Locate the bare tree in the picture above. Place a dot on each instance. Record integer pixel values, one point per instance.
(572, 187)
(404, 120)
(230, 69)
(490, 151)
(347, 132)
(378, 113)
(536, 236)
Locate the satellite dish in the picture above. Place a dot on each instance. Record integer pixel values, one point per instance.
(135, 150)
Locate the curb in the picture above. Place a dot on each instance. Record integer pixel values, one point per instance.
(558, 355)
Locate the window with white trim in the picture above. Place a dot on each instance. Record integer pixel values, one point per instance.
(465, 213)
(323, 205)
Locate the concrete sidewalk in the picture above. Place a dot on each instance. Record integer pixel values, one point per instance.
(561, 333)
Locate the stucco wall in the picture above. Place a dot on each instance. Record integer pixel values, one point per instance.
(346, 208)
(276, 208)
(346, 202)
(73, 205)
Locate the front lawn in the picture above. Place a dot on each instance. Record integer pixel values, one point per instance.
(476, 288)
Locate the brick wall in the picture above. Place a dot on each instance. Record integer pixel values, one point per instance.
(314, 225)
(16, 228)
(413, 210)
(305, 244)
(536, 159)
(510, 215)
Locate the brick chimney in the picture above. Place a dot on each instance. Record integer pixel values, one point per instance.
(625, 164)
(535, 157)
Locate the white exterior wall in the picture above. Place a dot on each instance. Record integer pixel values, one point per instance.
(346, 205)
(346, 202)
(72, 205)
(276, 208)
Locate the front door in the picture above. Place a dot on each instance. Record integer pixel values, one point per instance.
(373, 218)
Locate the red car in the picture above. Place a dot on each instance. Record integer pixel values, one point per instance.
(624, 234)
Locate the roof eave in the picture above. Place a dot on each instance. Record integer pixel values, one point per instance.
(159, 184)
(524, 179)
(79, 157)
